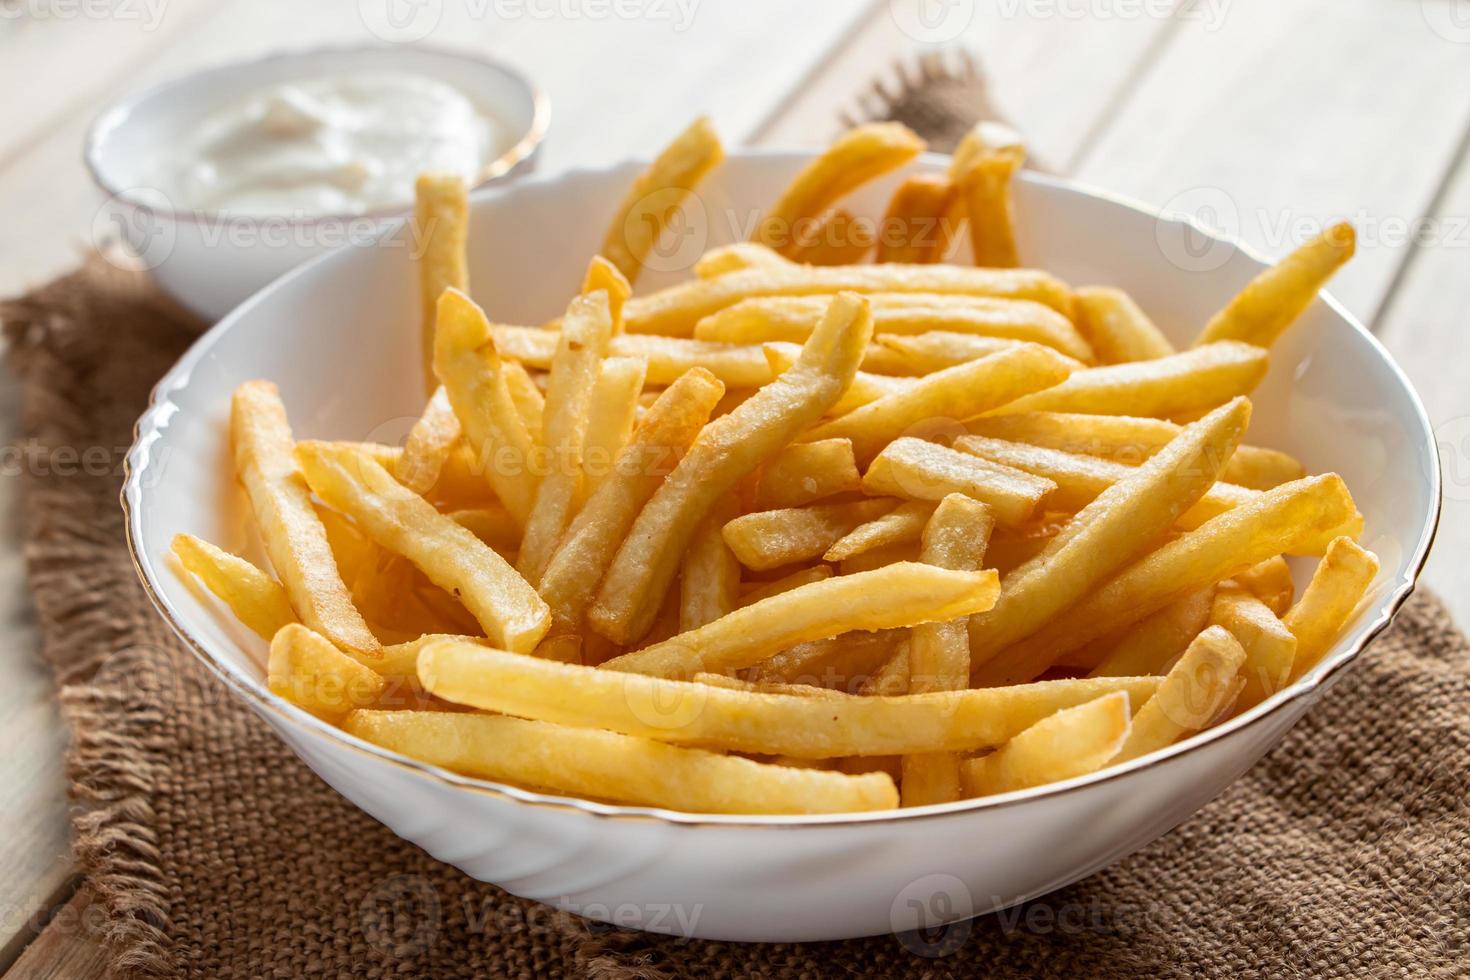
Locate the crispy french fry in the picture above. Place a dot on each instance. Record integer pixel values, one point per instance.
(255, 598)
(901, 525)
(1274, 299)
(307, 670)
(527, 398)
(428, 444)
(1131, 440)
(865, 387)
(853, 159)
(1214, 551)
(1196, 380)
(839, 239)
(737, 256)
(785, 583)
(842, 663)
(736, 684)
(888, 598)
(1151, 645)
(737, 365)
(1012, 547)
(806, 472)
(914, 228)
(986, 136)
(441, 219)
(726, 451)
(773, 538)
(918, 470)
(470, 369)
(746, 721)
(985, 189)
(603, 275)
(1195, 691)
(611, 413)
(958, 393)
(891, 678)
(606, 765)
(1269, 646)
(658, 194)
(1328, 601)
(674, 311)
(491, 524)
(1270, 581)
(661, 438)
(1118, 330)
(879, 558)
(709, 583)
(936, 350)
(1073, 742)
(294, 537)
(508, 609)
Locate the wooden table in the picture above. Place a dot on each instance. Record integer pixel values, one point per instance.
(1265, 118)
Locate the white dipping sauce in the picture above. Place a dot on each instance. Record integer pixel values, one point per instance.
(333, 144)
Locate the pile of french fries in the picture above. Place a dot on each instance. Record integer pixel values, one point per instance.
(805, 533)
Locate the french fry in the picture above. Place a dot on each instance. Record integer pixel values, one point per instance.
(709, 583)
(1274, 299)
(918, 470)
(307, 670)
(865, 387)
(858, 156)
(936, 350)
(611, 414)
(1270, 647)
(1149, 646)
(658, 194)
(674, 311)
(958, 393)
(737, 365)
(526, 397)
(986, 136)
(879, 558)
(1073, 742)
(985, 189)
(888, 598)
(1337, 586)
(785, 583)
(1130, 440)
(441, 219)
(773, 538)
(661, 438)
(255, 598)
(1012, 547)
(914, 228)
(737, 256)
(294, 537)
(583, 341)
(603, 275)
(839, 239)
(744, 721)
(1195, 380)
(841, 663)
(726, 451)
(891, 678)
(1214, 551)
(736, 684)
(807, 472)
(768, 319)
(491, 524)
(468, 365)
(1270, 581)
(1195, 691)
(428, 444)
(508, 609)
(901, 525)
(1118, 330)
(606, 765)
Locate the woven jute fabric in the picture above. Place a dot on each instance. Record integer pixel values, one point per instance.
(215, 854)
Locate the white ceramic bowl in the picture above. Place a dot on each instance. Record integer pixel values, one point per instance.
(211, 261)
(338, 337)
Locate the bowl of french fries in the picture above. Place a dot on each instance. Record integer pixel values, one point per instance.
(785, 545)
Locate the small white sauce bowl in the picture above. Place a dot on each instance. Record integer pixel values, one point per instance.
(210, 261)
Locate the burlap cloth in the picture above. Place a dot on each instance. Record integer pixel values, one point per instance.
(216, 854)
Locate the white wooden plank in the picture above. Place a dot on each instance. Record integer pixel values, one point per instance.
(1288, 115)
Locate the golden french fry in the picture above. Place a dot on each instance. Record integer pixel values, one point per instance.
(1269, 645)
(726, 451)
(901, 525)
(606, 765)
(1073, 742)
(1118, 330)
(441, 219)
(736, 684)
(785, 583)
(428, 444)
(1012, 547)
(674, 311)
(839, 239)
(508, 609)
(985, 189)
(891, 678)
(709, 583)
(1337, 586)
(611, 414)
(985, 137)
(1149, 646)
(1274, 299)
(294, 537)
(958, 393)
(745, 721)
(603, 275)
(841, 663)
(491, 524)
(854, 158)
(737, 256)
(1195, 691)
(879, 558)
(1195, 380)
(1214, 551)
(470, 369)
(661, 438)
(255, 598)
(773, 538)
(806, 472)
(1271, 582)
(525, 395)
(1130, 440)
(936, 350)
(865, 387)
(583, 341)
(918, 470)
(307, 670)
(658, 194)
(887, 598)
(914, 228)
(737, 365)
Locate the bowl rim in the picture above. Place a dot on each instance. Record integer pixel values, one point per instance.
(1308, 687)
(115, 115)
